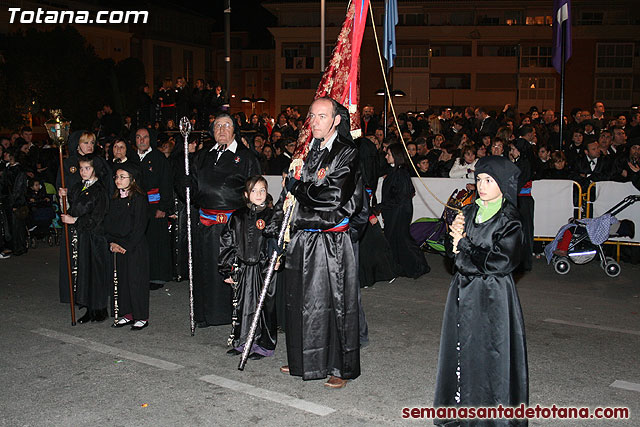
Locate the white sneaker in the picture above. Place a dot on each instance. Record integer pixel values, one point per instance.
(4, 256)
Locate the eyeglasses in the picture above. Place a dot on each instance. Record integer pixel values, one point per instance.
(223, 126)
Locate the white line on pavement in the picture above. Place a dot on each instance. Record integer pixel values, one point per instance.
(625, 385)
(274, 396)
(106, 349)
(591, 326)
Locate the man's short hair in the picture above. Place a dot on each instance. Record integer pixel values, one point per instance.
(525, 130)
(334, 105)
(26, 129)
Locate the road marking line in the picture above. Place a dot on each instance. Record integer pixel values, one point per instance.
(625, 385)
(273, 396)
(591, 326)
(106, 349)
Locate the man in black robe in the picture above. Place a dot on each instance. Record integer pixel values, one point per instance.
(218, 180)
(321, 276)
(157, 183)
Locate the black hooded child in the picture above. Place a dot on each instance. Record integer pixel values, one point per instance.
(483, 357)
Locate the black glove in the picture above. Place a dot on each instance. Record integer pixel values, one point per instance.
(272, 246)
(291, 184)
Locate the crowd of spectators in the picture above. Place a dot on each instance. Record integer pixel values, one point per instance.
(594, 145)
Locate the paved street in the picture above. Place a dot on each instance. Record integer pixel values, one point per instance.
(583, 334)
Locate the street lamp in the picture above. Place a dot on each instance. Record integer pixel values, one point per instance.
(394, 93)
(253, 102)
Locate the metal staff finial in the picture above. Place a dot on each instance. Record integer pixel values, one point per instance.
(185, 130)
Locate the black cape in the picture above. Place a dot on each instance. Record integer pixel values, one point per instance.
(397, 211)
(88, 250)
(216, 185)
(482, 315)
(125, 224)
(321, 276)
(244, 242)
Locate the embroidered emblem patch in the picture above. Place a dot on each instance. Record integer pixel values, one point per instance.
(237, 159)
(73, 169)
(221, 218)
(260, 224)
(322, 173)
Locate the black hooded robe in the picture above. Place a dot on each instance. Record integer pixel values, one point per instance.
(244, 241)
(321, 277)
(88, 251)
(483, 316)
(397, 211)
(125, 224)
(216, 184)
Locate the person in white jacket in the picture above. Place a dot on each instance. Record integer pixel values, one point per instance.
(465, 166)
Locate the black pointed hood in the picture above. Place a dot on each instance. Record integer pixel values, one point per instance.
(504, 172)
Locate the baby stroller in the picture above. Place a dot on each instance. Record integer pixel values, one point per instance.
(429, 233)
(585, 238)
(41, 223)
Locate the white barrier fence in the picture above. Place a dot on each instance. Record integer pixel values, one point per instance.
(609, 194)
(553, 201)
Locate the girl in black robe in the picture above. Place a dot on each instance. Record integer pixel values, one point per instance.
(397, 211)
(244, 256)
(125, 226)
(88, 203)
(483, 356)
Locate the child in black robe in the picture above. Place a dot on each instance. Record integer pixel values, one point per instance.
(483, 355)
(88, 203)
(125, 225)
(244, 257)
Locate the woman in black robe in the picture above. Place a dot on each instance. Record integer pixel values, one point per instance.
(125, 226)
(88, 203)
(244, 246)
(483, 356)
(397, 211)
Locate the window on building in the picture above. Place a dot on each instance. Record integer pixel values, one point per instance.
(497, 50)
(438, 18)
(412, 19)
(293, 81)
(488, 20)
(496, 81)
(615, 55)
(591, 18)
(539, 20)
(513, 17)
(461, 18)
(534, 87)
(412, 57)
(300, 56)
(451, 49)
(536, 56)
(249, 61)
(450, 81)
(614, 89)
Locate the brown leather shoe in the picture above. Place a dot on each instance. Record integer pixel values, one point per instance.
(284, 369)
(335, 382)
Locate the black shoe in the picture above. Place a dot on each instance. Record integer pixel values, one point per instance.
(88, 316)
(233, 352)
(256, 356)
(155, 286)
(100, 315)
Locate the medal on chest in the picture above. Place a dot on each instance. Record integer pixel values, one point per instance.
(236, 160)
(260, 224)
(73, 169)
(322, 173)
